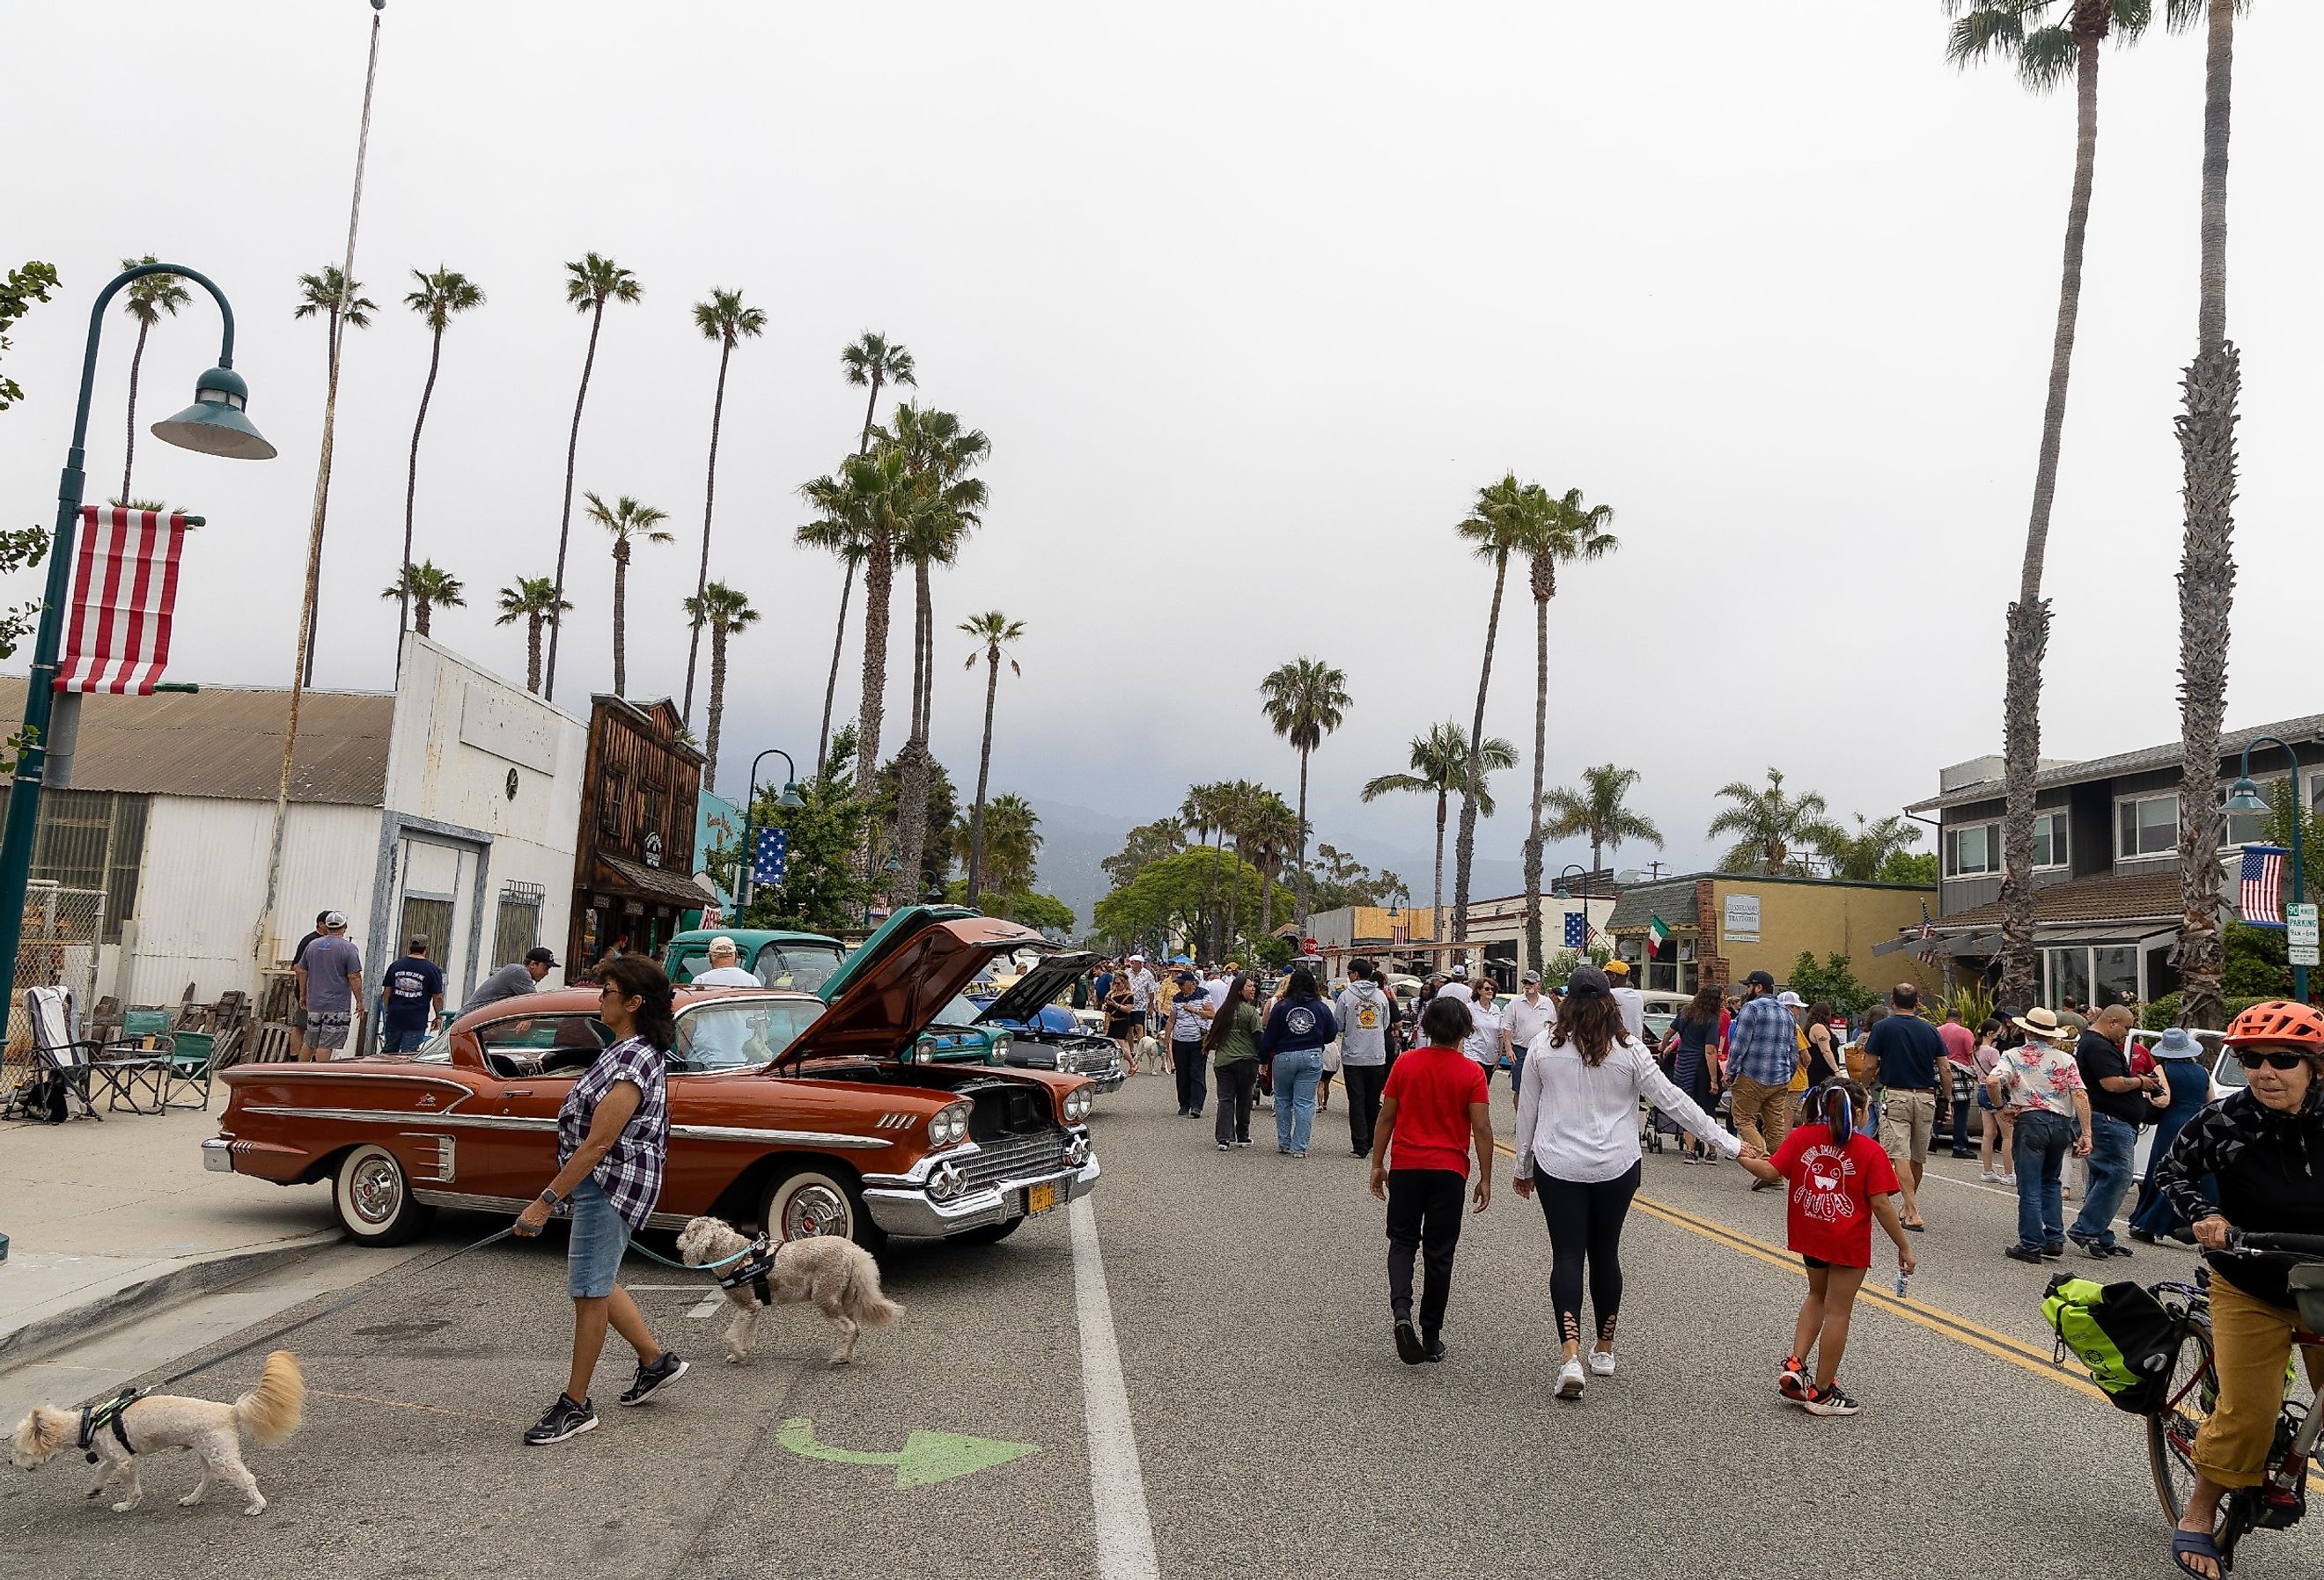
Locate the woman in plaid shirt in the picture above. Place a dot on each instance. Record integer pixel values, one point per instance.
(612, 1136)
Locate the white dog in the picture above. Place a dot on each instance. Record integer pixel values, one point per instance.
(837, 1275)
(271, 1412)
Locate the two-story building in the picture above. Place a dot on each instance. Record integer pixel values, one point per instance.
(2106, 859)
(633, 864)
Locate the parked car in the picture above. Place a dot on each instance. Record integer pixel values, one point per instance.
(803, 961)
(1045, 1035)
(1663, 1011)
(831, 1114)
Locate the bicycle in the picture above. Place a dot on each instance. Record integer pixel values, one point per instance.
(2282, 1497)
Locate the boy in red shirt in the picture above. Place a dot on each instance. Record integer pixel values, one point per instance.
(1434, 1108)
(1839, 1180)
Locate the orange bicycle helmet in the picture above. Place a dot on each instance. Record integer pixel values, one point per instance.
(2280, 1020)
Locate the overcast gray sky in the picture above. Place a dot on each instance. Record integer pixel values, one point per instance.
(1251, 298)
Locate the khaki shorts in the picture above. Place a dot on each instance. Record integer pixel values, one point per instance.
(1906, 1118)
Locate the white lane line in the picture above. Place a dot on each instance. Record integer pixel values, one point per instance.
(1124, 1534)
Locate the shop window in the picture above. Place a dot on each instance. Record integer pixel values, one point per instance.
(2114, 975)
(2069, 973)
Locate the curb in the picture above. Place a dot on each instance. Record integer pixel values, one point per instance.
(36, 1340)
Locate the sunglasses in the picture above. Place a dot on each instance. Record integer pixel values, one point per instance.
(2251, 1058)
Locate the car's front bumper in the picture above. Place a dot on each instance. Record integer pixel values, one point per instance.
(217, 1155)
(912, 1212)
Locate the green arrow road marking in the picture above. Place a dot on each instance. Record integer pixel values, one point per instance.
(927, 1457)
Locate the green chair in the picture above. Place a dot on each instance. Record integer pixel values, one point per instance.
(190, 1069)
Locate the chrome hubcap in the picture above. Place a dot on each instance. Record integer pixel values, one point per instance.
(377, 1190)
(811, 1210)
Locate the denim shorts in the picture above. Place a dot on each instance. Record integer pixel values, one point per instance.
(600, 1236)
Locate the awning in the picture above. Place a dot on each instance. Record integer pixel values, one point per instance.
(658, 885)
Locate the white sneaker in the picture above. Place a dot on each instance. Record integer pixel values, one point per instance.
(1990, 1176)
(1569, 1380)
(1601, 1363)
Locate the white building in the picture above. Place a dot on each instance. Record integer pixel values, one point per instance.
(449, 808)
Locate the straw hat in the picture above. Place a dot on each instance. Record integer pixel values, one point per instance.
(2041, 1023)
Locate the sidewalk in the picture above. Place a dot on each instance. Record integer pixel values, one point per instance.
(92, 1209)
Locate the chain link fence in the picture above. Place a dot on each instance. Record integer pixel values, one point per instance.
(63, 929)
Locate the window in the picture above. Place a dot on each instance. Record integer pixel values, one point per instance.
(613, 805)
(1971, 849)
(2050, 848)
(517, 926)
(425, 917)
(733, 1034)
(800, 967)
(92, 840)
(2148, 825)
(522, 1041)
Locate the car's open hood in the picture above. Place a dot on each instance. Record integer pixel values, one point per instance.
(1026, 995)
(891, 988)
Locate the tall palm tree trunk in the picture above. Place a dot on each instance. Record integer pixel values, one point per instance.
(984, 774)
(420, 609)
(879, 583)
(1234, 895)
(1211, 896)
(129, 449)
(411, 493)
(532, 653)
(2207, 565)
(322, 493)
(621, 617)
(715, 714)
(2025, 640)
(912, 786)
(1464, 847)
(1540, 747)
(1302, 875)
(1437, 896)
(709, 496)
(565, 519)
(831, 687)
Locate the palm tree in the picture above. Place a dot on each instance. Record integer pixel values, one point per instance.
(991, 631)
(422, 588)
(145, 300)
(1440, 767)
(1012, 843)
(2212, 385)
(1552, 531)
(1305, 700)
(440, 295)
(589, 284)
(1860, 856)
(339, 301)
(2049, 41)
(870, 363)
(876, 495)
(845, 536)
(726, 611)
(1237, 804)
(628, 521)
(1205, 810)
(533, 599)
(1494, 527)
(1594, 810)
(722, 319)
(1769, 825)
(1272, 830)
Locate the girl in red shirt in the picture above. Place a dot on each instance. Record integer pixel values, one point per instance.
(1839, 1180)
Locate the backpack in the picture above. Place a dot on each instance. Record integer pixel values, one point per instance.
(2120, 1333)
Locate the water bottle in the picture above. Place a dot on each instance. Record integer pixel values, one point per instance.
(1900, 1283)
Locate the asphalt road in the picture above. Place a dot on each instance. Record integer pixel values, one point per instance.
(1206, 1389)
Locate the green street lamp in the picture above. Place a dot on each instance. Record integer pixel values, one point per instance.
(214, 425)
(789, 800)
(2244, 800)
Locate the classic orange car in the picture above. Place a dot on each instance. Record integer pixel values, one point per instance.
(818, 1115)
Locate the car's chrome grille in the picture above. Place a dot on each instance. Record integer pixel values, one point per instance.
(1014, 1157)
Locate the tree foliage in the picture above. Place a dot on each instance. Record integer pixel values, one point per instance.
(1143, 845)
(823, 889)
(1771, 829)
(1860, 855)
(1831, 982)
(1170, 898)
(1909, 867)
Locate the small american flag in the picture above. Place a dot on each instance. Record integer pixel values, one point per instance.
(124, 596)
(1928, 950)
(1577, 930)
(2261, 902)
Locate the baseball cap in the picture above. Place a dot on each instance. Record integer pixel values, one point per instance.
(722, 945)
(419, 942)
(1618, 969)
(1458, 974)
(1790, 1001)
(1586, 980)
(1141, 959)
(1759, 979)
(1533, 976)
(335, 918)
(539, 957)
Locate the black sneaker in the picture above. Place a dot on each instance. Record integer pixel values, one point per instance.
(1432, 1348)
(564, 1420)
(2022, 1253)
(2120, 1250)
(1408, 1344)
(668, 1368)
(2091, 1249)
(2054, 1251)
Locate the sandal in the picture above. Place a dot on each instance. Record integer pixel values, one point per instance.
(2197, 1544)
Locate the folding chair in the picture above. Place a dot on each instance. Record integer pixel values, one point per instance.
(84, 1063)
(190, 1059)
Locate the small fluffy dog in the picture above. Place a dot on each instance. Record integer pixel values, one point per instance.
(270, 1412)
(837, 1275)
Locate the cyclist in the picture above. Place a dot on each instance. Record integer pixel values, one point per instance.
(2265, 1146)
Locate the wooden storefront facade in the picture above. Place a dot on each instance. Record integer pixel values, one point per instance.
(633, 864)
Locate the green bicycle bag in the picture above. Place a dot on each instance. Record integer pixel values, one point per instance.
(2120, 1333)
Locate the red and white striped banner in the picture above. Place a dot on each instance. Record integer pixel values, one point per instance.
(125, 590)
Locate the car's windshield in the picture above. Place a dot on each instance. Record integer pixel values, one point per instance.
(961, 1013)
(796, 967)
(2227, 1072)
(730, 1034)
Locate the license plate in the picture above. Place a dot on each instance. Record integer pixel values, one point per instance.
(1040, 1198)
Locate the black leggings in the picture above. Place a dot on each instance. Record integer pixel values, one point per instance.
(1585, 1222)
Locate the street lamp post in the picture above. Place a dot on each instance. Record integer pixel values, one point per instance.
(788, 799)
(2245, 799)
(214, 425)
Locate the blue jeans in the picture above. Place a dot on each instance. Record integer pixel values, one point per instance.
(2112, 1143)
(2043, 1140)
(1296, 1074)
(1516, 1069)
(394, 1041)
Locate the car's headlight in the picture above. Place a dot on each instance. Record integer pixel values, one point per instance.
(1078, 1104)
(1002, 1043)
(948, 1124)
(1068, 1064)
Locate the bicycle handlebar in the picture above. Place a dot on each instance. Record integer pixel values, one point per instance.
(2259, 1245)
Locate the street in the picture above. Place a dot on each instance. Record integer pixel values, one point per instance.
(1268, 1427)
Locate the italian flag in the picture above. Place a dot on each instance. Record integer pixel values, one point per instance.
(1657, 935)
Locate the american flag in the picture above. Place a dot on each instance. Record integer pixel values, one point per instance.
(2262, 901)
(1577, 930)
(125, 596)
(1929, 950)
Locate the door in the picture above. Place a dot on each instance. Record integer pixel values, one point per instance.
(509, 1147)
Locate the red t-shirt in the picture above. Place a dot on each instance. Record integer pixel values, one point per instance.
(1831, 1192)
(1433, 1088)
(1960, 1044)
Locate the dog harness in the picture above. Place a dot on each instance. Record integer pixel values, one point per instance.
(95, 1417)
(757, 1261)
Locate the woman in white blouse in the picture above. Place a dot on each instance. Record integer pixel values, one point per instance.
(1577, 1146)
